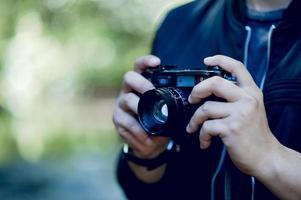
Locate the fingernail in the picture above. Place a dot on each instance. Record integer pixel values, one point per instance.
(189, 99)
(150, 88)
(203, 146)
(188, 129)
(206, 60)
(154, 61)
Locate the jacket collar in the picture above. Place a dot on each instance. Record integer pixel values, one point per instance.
(234, 24)
(237, 9)
(293, 11)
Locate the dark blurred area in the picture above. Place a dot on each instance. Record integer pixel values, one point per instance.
(61, 65)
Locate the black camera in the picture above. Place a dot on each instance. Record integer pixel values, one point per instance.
(165, 111)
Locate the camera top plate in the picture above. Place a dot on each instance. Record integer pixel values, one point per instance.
(170, 76)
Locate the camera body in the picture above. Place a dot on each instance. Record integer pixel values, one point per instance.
(165, 111)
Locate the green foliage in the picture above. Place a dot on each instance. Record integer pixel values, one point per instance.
(7, 142)
(56, 55)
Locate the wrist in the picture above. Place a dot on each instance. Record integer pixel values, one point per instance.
(149, 155)
(270, 165)
(152, 161)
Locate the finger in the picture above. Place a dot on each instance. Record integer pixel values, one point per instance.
(218, 86)
(144, 62)
(132, 81)
(127, 121)
(233, 66)
(129, 102)
(209, 110)
(211, 128)
(130, 139)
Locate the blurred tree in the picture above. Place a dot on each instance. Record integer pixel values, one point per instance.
(57, 54)
(61, 63)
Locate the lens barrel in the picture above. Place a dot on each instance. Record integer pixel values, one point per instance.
(162, 111)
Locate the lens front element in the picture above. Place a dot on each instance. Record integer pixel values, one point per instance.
(160, 111)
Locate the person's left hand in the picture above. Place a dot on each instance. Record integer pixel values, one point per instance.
(240, 122)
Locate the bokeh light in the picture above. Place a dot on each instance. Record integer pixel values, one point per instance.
(61, 65)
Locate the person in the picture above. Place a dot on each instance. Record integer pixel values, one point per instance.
(258, 41)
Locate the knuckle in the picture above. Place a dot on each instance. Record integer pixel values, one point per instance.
(240, 64)
(208, 105)
(234, 127)
(122, 133)
(252, 103)
(244, 113)
(205, 127)
(147, 85)
(218, 57)
(216, 82)
(226, 129)
(259, 94)
(128, 76)
(249, 105)
(216, 78)
(128, 98)
(130, 123)
(128, 103)
(137, 130)
(124, 121)
(205, 108)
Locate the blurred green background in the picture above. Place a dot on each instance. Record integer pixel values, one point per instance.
(61, 65)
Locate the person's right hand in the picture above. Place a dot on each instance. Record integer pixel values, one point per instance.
(126, 108)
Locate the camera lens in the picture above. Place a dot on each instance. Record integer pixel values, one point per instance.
(161, 111)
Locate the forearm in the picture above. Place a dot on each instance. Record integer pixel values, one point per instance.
(282, 173)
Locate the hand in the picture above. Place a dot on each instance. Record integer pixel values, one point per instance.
(240, 122)
(126, 108)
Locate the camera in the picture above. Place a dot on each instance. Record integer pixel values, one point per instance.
(165, 111)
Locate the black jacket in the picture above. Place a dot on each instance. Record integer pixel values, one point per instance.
(208, 27)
